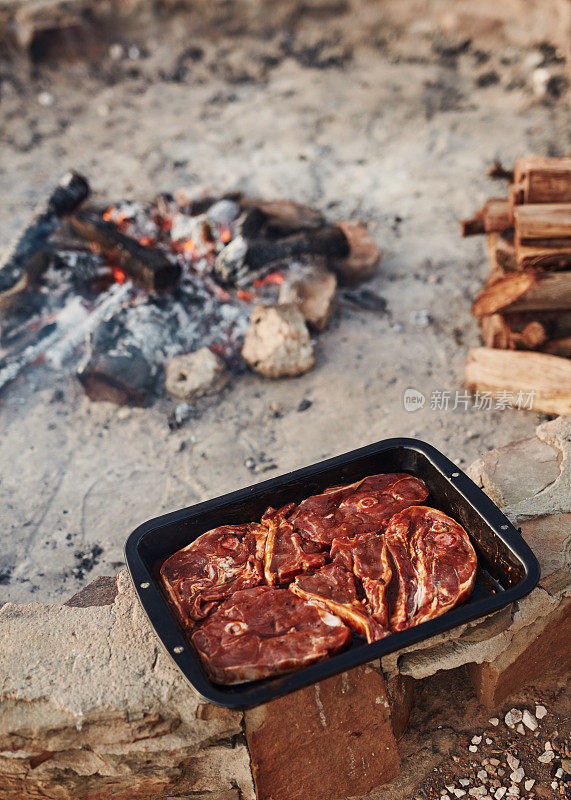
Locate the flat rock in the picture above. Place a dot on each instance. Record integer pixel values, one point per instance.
(93, 703)
(195, 374)
(313, 291)
(277, 343)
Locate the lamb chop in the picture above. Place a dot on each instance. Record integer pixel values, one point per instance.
(265, 631)
(361, 507)
(434, 562)
(218, 563)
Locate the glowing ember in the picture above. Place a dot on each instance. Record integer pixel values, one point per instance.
(248, 297)
(224, 233)
(274, 277)
(188, 246)
(119, 276)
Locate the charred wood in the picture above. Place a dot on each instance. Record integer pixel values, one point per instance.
(25, 258)
(145, 265)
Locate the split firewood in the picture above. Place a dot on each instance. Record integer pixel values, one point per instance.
(559, 347)
(544, 379)
(525, 291)
(552, 258)
(501, 254)
(363, 258)
(541, 180)
(25, 257)
(495, 215)
(497, 332)
(143, 264)
(547, 225)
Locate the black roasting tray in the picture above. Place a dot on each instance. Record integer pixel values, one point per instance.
(507, 569)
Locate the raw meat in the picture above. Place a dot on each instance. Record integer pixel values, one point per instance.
(434, 562)
(366, 556)
(333, 587)
(360, 507)
(265, 631)
(218, 563)
(287, 554)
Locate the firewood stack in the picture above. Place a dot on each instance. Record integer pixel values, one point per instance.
(525, 304)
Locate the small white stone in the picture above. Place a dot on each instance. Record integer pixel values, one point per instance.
(513, 762)
(540, 712)
(134, 53)
(520, 729)
(559, 773)
(483, 775)
(459, 792)
(529, 720)
(476, 739)
(449, 787)
(472, 748)
(494, 721)
(116, 51)
(499, 793)
(488, 740)
(529, 784)
(554, 784)
(547, 746)
(540, 78)
(547, 757)
(464, 782)
(517, 775)
(445, 796)
(513, 790)
(46, 99)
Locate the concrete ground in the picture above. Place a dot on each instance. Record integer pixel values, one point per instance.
(359, 115)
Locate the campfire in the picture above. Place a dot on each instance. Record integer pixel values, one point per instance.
(122, 294)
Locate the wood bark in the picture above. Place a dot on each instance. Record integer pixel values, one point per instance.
(535, 257)
(541, 180)
(559, 347)
(501, 255)
(498, 331)
(525, 291)
(547, 376)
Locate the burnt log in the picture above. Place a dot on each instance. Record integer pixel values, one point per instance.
(145, 265)
(242, 261)
(25, 258)
(284, 217)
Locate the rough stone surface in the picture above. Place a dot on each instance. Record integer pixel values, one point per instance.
(92, 707)
(277, 342)
(195, 374)
(333, 739)
(313, 291)
(101, 592)
(364, 256)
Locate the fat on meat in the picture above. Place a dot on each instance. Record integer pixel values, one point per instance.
(333, 587)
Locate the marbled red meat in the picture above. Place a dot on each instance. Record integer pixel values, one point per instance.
(360, 507)
(287, 553)
(218, 563)
(434, 562)
(333, 587)
(265, 631)
(366, 557)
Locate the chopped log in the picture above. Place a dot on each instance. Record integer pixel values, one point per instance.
(542, 378)
(540, 225)
(496, 332)
(25, 258)
(495, 215)
(143, 264)
(541, 180)
(559, 347)
(547, 258)
(525, 291)
(501, 255)
(242, 261)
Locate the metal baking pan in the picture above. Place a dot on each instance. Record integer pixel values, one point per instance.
(507, 569)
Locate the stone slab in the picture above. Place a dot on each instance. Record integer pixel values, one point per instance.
(333, 739)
